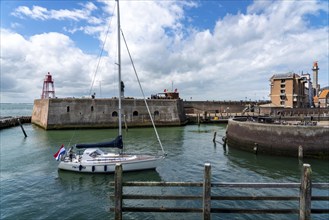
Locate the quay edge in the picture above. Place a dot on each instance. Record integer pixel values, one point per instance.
(278, 139)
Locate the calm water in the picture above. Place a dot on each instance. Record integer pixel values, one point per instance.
(16, 109)
(33, 188)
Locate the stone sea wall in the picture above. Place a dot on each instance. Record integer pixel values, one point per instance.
(279, 139)
(103, 113)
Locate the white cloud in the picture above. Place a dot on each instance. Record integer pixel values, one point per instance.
(41, 13)
(237, 57)
(234, 60)
(24, 62)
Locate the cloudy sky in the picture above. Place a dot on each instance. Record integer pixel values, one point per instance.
(208, 50)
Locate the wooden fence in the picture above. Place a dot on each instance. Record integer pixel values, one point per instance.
(304, 198)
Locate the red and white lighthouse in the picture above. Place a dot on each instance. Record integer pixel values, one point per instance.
(48, 90)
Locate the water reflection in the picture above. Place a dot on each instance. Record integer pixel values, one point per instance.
(276, 168)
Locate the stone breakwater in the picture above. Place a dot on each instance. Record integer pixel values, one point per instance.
(7, 122)
(279, 139)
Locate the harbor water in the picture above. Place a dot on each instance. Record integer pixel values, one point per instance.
(33, 188)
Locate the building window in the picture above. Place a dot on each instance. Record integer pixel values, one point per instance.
(282, 91)
(114, 114)
(135, 113)
(67, 108)
(283, 80)
(283, 86)
(282, 103)
(156, 113)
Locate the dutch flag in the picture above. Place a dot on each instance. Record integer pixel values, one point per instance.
(60, 152)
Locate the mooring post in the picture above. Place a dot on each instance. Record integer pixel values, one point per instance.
(207, 192)
(118, 192)
(20, 124)
(224, 144)
(305, 193)
(214, 139)
(125, 120)
(255, 148)
(300, 152)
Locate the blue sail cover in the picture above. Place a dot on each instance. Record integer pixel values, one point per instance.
(115, 143)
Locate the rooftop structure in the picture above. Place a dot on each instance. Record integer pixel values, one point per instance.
(166, 95)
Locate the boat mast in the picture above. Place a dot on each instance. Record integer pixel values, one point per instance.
(119, 68)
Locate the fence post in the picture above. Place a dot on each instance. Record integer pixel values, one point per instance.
(207, 192)
(305, 193)
(118, 192)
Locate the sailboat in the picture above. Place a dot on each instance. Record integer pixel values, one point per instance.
(95, 160)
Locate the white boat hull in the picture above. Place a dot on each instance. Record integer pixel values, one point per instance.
(140, 163)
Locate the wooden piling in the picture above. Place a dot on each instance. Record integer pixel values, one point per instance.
(214, 139)
(125, 120)
(20, 124)
(305, 193)
(207, 192)
(224, 140)
(118, 192)
(300, 152)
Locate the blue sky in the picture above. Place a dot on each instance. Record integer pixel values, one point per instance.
(209, 50)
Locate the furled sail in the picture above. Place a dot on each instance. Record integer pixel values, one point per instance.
(117, 142)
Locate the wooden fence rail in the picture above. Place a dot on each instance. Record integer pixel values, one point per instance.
(304, 198)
